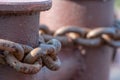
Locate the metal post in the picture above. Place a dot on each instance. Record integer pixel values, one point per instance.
(19, 22)
(81, 13)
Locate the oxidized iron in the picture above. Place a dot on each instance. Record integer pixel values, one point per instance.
(44, 55)
(19, 22)
(85, 37)
(90, 14)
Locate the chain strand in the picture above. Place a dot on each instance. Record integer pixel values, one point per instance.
(72, 35)
(27, 60)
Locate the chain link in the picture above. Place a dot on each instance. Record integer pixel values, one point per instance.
(72, 35)
(27, 60)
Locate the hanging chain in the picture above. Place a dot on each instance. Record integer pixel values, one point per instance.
(27, 60)
(72, 35)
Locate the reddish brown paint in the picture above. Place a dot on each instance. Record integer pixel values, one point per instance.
(90, 14)
(19, 22)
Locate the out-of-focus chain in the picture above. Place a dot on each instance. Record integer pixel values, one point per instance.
(72, 35)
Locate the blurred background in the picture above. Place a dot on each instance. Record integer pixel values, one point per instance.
(117, 8)
(117, 3)
(115, 66)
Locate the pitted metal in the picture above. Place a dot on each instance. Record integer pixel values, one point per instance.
(71, 35)
(25, 59)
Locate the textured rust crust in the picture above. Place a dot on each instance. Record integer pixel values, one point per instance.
(21, 28)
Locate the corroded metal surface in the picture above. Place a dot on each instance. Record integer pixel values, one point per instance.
(19, 22)
(32, 61)
(84, 36)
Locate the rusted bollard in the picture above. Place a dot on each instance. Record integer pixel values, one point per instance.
(19, 22)
(81, 13)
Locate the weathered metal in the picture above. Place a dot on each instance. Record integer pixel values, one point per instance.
(19, 22)
(84, 36)
(90, 14)
(28, 60)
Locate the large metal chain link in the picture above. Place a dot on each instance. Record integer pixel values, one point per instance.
(72, 35)
(27, 60)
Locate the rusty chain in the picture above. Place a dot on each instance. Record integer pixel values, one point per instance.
(71, 35)
(27, 60)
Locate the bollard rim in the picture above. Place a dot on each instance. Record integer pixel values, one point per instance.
(24, 5)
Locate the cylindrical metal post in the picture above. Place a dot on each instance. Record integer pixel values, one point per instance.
(81, 13)
(19, 22)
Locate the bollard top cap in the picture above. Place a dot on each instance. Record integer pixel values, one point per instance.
(24, 5)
